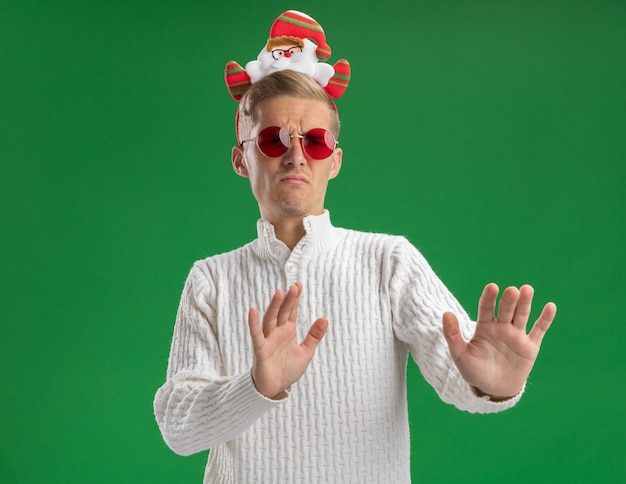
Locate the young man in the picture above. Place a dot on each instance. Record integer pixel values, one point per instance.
(314, 389)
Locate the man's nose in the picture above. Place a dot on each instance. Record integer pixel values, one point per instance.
(295, 153)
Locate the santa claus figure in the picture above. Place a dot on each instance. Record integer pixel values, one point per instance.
(296, 42)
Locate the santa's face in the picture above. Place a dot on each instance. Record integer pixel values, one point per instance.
(287, 56)
(283, 55)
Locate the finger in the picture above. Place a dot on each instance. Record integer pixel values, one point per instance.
(508, 303)
(487, 302)
(315, 334)
(269, 319)
(543, 323)
(255, 329)
(524, 304)
(293, 315)
(285, 308)
(452, 333)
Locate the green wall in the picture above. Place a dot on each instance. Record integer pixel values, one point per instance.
(490, 133)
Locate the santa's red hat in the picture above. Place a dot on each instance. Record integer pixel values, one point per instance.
(298, 24)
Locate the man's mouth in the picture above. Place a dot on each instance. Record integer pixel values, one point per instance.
(295, 179)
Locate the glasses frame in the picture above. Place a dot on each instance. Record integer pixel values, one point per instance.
(299, 136)
(280, 53)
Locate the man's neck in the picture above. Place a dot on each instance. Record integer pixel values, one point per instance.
(289, 231)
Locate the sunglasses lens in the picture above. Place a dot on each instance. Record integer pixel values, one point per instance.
(273, 141)
(319, 143)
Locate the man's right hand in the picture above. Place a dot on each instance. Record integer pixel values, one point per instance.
(279, 360)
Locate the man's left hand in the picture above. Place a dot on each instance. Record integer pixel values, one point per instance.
(500, 355)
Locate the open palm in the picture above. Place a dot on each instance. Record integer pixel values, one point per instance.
(279, 360)
(500, 355)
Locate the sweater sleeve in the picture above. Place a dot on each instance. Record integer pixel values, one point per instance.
(418, 301)
(198, 407)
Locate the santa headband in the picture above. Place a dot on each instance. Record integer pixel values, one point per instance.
(296, 42)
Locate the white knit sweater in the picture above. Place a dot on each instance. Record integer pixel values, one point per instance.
(346, 419)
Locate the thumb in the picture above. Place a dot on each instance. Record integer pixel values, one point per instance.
(453, 336)
(315, 334)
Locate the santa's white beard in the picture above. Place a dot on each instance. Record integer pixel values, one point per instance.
(281, 63)
(299, 64)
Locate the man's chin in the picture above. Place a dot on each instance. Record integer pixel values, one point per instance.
(294, 208)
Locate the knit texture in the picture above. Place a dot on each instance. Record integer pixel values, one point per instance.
(346, 420)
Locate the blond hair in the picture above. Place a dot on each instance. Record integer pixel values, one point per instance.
(281, 84)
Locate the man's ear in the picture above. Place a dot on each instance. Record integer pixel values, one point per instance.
(239, 163)
(335, 167)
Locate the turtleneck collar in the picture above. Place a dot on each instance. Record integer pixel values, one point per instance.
(320, 234)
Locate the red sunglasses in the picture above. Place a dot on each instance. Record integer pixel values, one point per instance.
(274, 141)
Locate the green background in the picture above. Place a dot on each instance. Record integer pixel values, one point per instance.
(490, 133)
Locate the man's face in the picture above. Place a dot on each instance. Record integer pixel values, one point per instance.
(292, 185)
